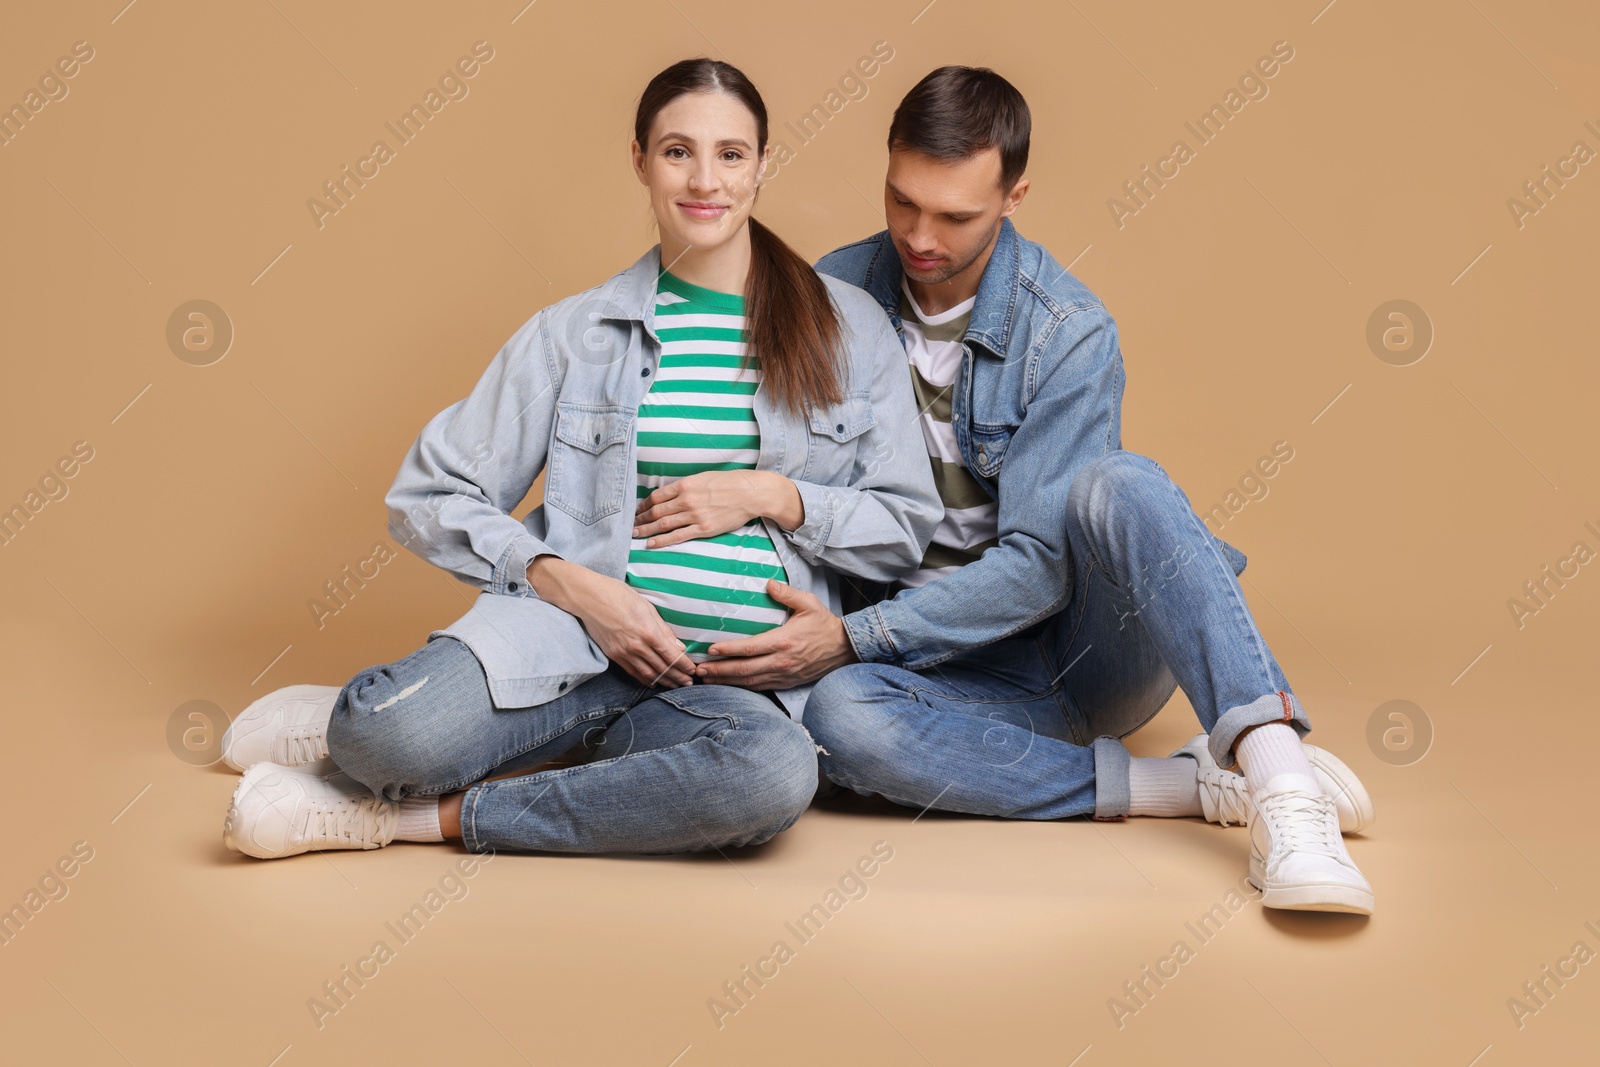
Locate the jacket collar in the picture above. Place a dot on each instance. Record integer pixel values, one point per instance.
(632, 295)
(998, 289)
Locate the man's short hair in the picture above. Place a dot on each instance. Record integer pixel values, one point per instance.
(956, 112)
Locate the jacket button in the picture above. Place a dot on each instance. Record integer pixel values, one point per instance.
(511, 586)
(644, 372)
(596, 438)
(839, 428)
(982, 454)
(561, 687)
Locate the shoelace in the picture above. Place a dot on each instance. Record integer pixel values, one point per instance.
(298, 745)
(1302, 822)
(1224, 796)
(350, 822)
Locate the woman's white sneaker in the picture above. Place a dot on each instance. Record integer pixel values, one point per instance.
(283, 811)
(1298, 858)
(1225, 798)
(288, 726)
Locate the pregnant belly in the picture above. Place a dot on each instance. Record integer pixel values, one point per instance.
(712, 588)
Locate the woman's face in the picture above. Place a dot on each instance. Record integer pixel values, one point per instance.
(702, 170)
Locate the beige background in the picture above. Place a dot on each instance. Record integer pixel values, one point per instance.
(220, 498)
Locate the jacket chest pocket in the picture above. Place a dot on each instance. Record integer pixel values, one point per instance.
(989, 448)
(833, 436)
(588, 470)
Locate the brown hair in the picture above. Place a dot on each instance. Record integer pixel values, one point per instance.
(790, 320)
(956, 112)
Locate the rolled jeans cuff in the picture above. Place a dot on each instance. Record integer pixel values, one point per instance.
(1281, 706)
(1112, 797)
(469, 828)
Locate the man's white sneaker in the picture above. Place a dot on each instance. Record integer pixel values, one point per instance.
(283, 811)
(288, 726)
(1297, 857)
(1226, 798)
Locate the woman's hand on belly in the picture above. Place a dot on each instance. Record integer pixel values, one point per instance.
(716, 502)
(624, 624)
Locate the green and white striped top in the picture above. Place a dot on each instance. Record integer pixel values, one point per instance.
(698, 417)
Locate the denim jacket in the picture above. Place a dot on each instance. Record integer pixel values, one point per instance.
(561, 397)
(1039, 395)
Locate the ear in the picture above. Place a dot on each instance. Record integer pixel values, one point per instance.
(1014, 198)
(637, 155)
(761, 170)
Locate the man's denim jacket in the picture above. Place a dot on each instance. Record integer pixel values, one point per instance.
(561, 397)
(1038, 396)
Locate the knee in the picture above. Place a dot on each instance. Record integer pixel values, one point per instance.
(391, 732)
(1111, 477)
(857, 716)
(774, 786)
(844, 712)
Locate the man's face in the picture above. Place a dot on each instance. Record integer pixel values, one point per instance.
(944, 216)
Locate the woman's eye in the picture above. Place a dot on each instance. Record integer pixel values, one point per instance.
(732, 156)
(671, 152)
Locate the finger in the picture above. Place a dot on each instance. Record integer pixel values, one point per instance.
(746, 674)
(790, 597)
(740, 671)
(761, 644)
(679, 672)
(672, 656)
(675, 506)
(676, 537)
(660, 494)
(663, 525)
(643, 659)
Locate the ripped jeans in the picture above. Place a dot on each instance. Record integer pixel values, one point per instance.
(659, 771)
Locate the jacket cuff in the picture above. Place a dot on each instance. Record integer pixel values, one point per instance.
(868, 636)
(811, 536)
(510, 576)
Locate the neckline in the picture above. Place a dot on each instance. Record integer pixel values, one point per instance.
(696, 294)
(948, 315)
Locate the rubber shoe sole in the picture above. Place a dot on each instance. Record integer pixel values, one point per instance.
(1314, 896)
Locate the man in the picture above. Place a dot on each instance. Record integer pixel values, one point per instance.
(1070, 587)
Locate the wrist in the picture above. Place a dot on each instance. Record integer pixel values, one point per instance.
(558, 581)
(782, 503)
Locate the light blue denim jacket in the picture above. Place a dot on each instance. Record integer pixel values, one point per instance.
(561, 397)
(1038, 396)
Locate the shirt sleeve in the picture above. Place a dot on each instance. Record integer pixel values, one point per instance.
(1071, 418)
(476, 460)
(878, 526)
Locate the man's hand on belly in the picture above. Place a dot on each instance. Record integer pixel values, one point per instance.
(812, 643)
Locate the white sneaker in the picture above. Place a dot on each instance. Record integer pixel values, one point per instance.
(1226, 798)
(283, 811)
(288, 726)
(1297, 858)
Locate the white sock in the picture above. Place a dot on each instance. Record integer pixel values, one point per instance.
(419, 819)
(1165, 788)
(1270, 750)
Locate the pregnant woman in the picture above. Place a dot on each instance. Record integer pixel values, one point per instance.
(724, 433)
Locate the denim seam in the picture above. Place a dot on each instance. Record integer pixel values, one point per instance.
(914, 689)
(563, 772)
(567, 725)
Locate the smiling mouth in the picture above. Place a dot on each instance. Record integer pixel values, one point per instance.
(701, 210)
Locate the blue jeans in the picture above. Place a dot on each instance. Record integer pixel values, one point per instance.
(1028, 727)
(661, 771)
